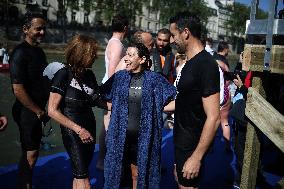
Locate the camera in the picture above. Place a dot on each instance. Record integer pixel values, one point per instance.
(230, 76)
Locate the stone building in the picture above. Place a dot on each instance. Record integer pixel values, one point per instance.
(149, 20)
(216, 26)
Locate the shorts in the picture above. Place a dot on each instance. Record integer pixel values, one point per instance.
(180, 158)
(29, 126)
(80, 154)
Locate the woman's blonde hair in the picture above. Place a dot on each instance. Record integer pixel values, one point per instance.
(80, 53)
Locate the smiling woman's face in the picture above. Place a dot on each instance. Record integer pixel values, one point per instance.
(133, 61)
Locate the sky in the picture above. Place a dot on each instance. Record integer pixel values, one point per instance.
(263, 4)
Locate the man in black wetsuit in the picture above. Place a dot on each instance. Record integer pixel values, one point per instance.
(27, 64)
(197, 101)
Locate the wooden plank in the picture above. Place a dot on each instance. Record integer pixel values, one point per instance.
(265, 117)
(280, 184)
(251, 158)
(254, 57)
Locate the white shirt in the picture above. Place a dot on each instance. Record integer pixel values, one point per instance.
(209, 49)
(106, 76)
(51, 69)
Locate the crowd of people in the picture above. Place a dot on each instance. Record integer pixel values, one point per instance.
(147, 86)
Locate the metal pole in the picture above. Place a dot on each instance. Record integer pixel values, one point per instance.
(269, 36)
(253, 8)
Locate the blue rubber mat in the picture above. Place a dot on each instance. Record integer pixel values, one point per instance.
(54, 172)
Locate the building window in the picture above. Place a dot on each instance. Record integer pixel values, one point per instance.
(140, 22)
(86, 18)
(44, 2)
(148, 25)
(156, 26)
(73, 17)
(29, 1)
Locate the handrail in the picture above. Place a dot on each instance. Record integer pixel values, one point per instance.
(265, 117)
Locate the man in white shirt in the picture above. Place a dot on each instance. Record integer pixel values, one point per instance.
(209, 45)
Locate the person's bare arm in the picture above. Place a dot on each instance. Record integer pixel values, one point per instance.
(114, 54)
(223, 66)
(170, 107)
(211, 107)
(25, 99)
(55, 113)
(121, 65)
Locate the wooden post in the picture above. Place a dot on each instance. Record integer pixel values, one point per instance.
(251, 158)
(280, 184)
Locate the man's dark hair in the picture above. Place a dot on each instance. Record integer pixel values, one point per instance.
(119, 22)
(222, 45)
(29, 16)
(164, 31)
(209, 40)
(188, 20)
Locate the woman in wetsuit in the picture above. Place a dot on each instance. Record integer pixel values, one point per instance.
(133, 139)
(70, 105)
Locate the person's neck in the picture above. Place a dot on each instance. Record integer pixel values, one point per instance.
(222, 53)
(118, 35)
(30, 42)
(194, 47)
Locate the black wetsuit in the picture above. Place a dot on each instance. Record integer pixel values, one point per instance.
(26, 67)
(77, 107)
(134, 116)
(132, 132)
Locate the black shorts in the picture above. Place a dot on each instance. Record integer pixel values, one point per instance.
(180, 158)
(130, 149)
(29, 127)
(80, 154)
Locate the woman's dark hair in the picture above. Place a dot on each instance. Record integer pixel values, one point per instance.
(80, 53)
(188, 20)
(143, 52)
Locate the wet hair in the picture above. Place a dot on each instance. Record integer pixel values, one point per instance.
(29, 16)
(119, 22)
(188, 20)
(164, 31)
(142, 51)
(222, 46)
(80, 52)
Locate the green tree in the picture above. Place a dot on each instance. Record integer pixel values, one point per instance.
(130, 8)
(240, 14)
(170, 8)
